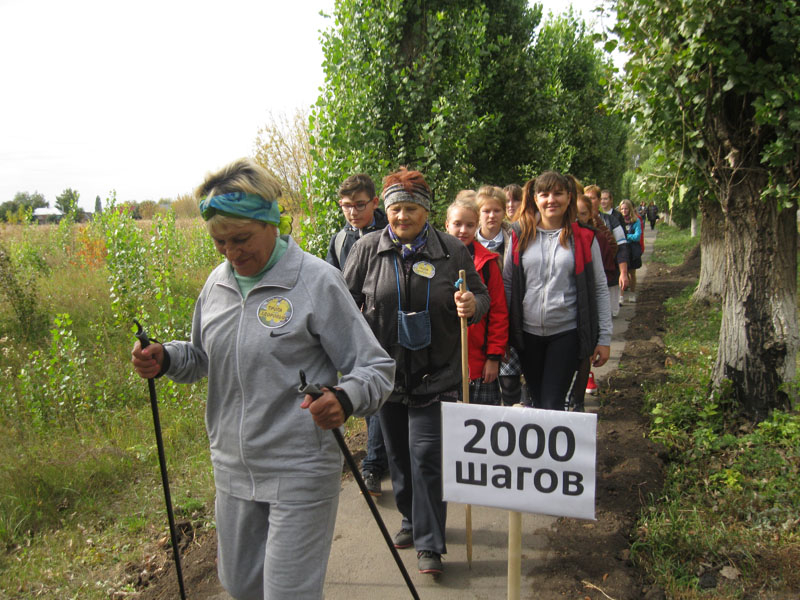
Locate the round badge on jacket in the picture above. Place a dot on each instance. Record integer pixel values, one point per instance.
(275, 312)
(424, 269)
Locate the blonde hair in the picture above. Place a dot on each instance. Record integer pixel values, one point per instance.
(487, 193)
(631, 210)
(243, 175)
(592, 190)
(465, 195)
(466, 203)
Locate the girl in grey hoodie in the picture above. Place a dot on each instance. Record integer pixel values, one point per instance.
(556, 290)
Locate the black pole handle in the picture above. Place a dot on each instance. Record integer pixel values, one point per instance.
(141, 335)
(144, 341)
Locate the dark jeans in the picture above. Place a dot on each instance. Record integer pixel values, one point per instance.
(414, 444)
(548, 363)
(375, 461)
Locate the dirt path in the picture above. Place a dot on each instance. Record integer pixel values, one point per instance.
(583, 559)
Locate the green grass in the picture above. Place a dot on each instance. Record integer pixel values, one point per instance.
(672, 244)
(77, 506)
(80, 489)
(732, 493)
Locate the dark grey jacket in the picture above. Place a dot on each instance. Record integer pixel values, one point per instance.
(370, 275)
(349, 236)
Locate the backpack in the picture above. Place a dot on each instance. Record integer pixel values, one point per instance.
(338, 246)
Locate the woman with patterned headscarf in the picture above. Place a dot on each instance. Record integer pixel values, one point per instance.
(403, 280)
(267, 311)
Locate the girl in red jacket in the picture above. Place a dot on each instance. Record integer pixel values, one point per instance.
(489, 337)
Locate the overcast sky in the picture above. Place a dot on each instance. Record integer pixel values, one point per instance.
(145, 97)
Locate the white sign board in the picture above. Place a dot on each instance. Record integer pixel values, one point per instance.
(522, 459)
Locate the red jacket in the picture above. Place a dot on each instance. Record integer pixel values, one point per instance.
(488, 337)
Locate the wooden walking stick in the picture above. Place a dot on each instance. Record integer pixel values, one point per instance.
(514, 554)
(462, 287)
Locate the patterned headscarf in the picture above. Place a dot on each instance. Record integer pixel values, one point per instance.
(239, 204)
(398, 193)
(410, 249)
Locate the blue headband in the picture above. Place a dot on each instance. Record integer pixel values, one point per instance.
(239, 204)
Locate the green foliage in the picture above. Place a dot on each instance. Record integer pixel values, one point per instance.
(67, 201)
(23, 204)
(22, 216)
(399, 83)
(54, 385)
(127, 262)
(574, 132)
(463, 91)
(717, 86)
(673, 244)
(731, 487)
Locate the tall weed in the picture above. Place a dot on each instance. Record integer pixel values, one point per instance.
(20, 292)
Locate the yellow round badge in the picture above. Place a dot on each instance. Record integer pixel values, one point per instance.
(424, 269)
(275, 312)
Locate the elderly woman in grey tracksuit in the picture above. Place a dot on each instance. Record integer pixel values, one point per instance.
(269, 310)
(403, 278)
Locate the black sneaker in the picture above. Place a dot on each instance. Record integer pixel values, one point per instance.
(429, 562)
(403, 539)
(373, 484)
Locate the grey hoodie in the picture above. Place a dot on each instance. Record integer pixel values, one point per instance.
(299, 316)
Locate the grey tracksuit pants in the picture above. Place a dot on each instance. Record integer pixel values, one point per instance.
(274, 550)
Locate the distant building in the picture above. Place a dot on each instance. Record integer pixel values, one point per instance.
(47, 215)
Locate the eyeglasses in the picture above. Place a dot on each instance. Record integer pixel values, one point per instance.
(357, 207)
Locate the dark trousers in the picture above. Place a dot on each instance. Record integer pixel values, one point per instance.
(413, 438)
(579, 387)
(375, 461)
(548, 363)
(513, 391)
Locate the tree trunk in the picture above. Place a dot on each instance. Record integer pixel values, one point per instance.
(693, 226)
(712, 253)
(758, 339)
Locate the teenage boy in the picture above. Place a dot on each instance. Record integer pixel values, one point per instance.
(359, 205)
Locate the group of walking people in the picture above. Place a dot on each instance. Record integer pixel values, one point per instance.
(380, 334)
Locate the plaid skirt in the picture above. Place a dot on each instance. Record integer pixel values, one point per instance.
(513, 366)
(484, 393)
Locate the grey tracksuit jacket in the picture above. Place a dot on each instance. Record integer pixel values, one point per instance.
(299, 316)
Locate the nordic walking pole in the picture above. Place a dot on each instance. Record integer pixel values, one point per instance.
(462, 287)
(314, 391)
(162, 461)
